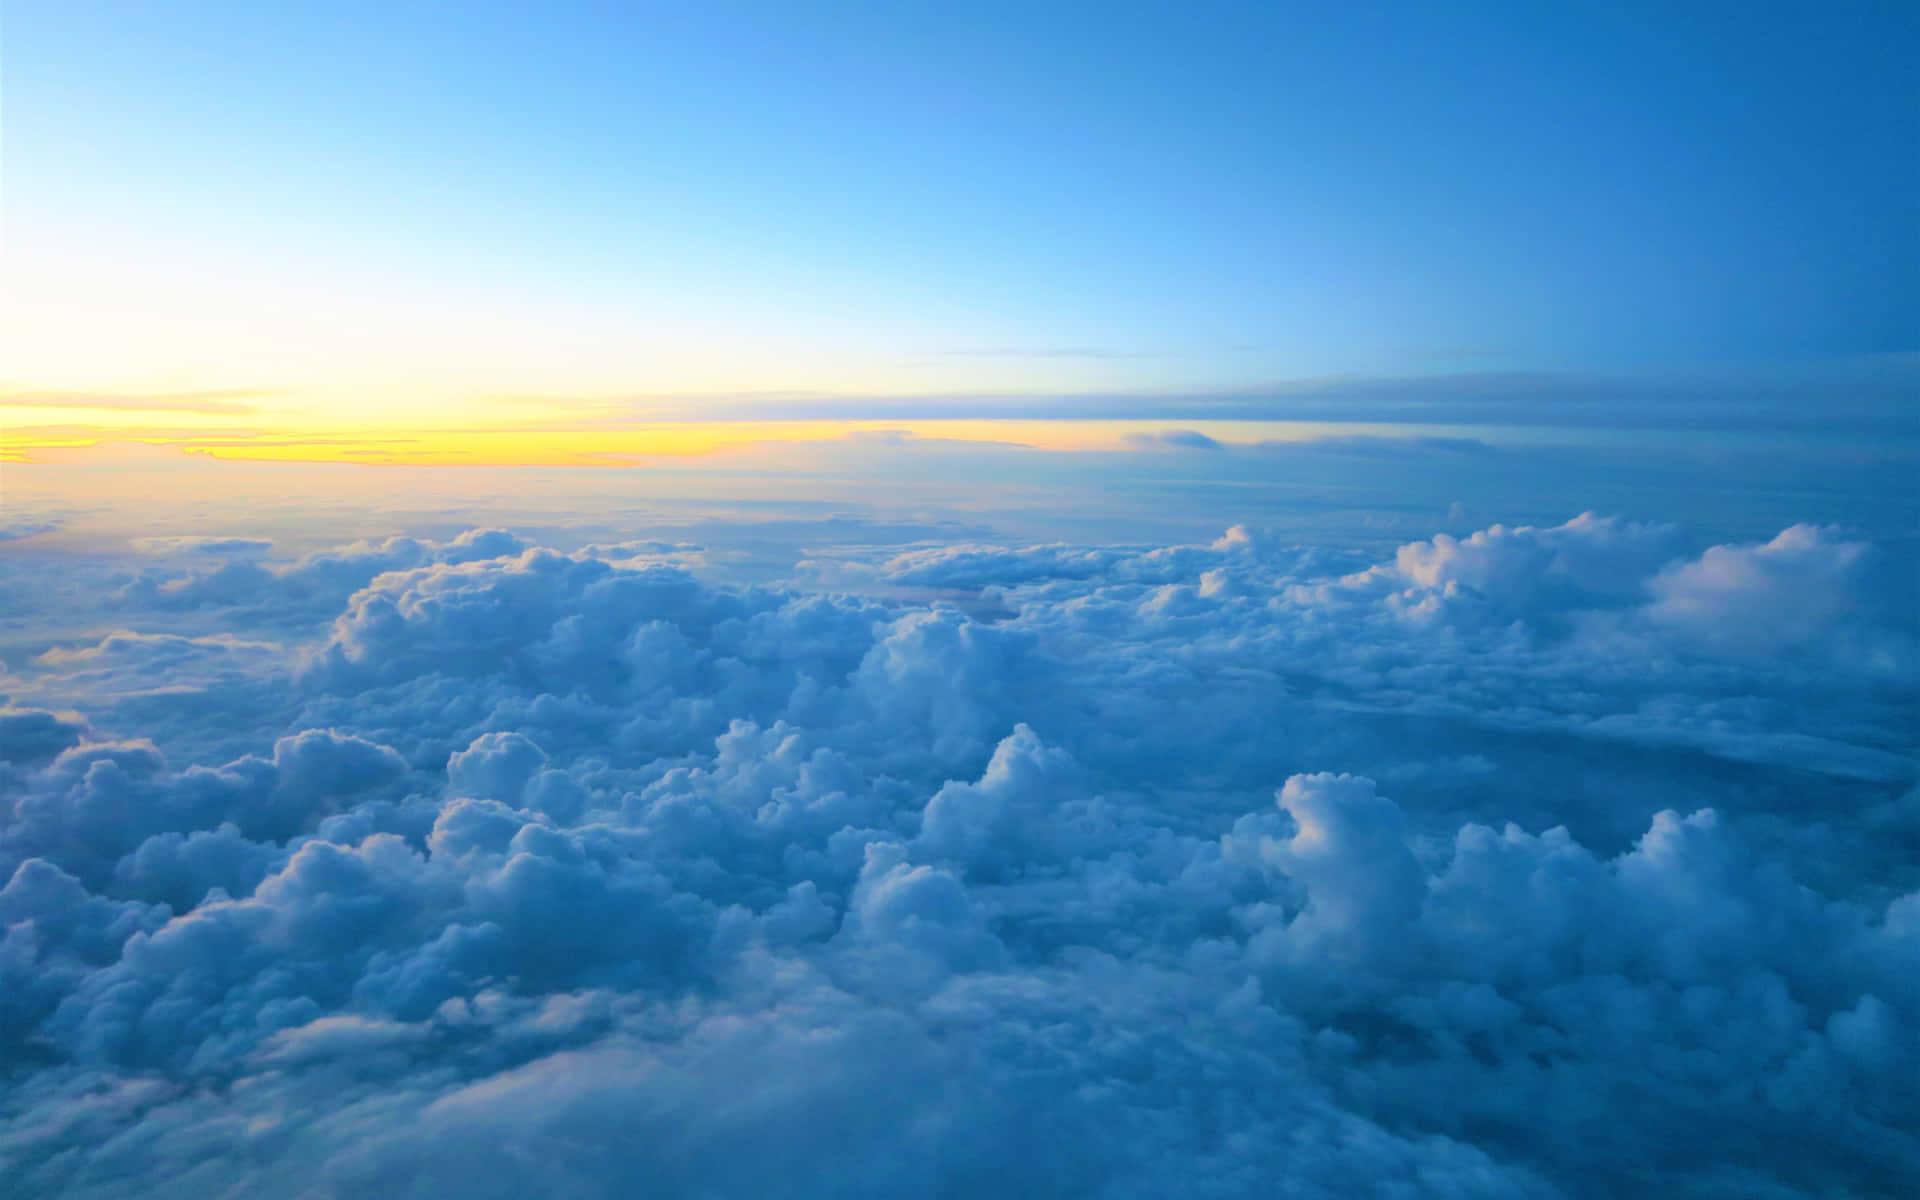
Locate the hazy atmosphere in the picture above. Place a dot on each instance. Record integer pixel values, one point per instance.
(977, 600)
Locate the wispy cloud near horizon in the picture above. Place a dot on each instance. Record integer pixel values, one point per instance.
(219, 402)
(1859, 394)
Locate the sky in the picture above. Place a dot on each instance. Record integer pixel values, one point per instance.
(342, 222)
(941, 601)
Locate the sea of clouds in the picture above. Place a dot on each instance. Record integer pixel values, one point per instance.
(1569, 860)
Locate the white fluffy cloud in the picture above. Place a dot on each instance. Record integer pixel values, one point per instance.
(1541, 861)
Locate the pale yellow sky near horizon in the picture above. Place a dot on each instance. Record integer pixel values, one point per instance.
(53, 433)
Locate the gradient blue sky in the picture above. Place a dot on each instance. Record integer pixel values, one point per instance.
(437, 201)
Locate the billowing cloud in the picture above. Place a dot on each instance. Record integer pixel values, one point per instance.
(315, 585)
(1543, 861)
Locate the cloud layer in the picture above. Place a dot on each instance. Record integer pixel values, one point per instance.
(1555, 861)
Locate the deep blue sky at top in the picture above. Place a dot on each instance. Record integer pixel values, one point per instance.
(1150, 194)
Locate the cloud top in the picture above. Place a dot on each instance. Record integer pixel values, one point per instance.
(1508, 864)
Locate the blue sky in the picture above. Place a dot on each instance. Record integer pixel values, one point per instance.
(1011, 198)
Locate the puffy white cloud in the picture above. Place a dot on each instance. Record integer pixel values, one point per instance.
(550, 874)
(1011, 818)
(312, 586)
(1532, 573)
(1807, 588)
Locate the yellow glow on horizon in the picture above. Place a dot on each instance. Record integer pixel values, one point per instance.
(508, 429)
(610, 446)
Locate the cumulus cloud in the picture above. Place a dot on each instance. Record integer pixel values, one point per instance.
(31, 736)
(312, 586)
(1513, 864)
(1808, 587)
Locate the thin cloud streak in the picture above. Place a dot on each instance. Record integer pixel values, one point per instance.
(1869, 394)
(219, 402)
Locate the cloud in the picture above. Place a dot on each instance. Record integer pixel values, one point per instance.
(1806, 586)
(1552, 860)
(124, 664)
(1867, 395)
(1173, 439)
(29, 736)
(19, 531)
(239, 547)
(311, 587)
(228, 402)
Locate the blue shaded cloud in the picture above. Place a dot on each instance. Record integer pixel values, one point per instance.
(1525, 863)
(1173, 439)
